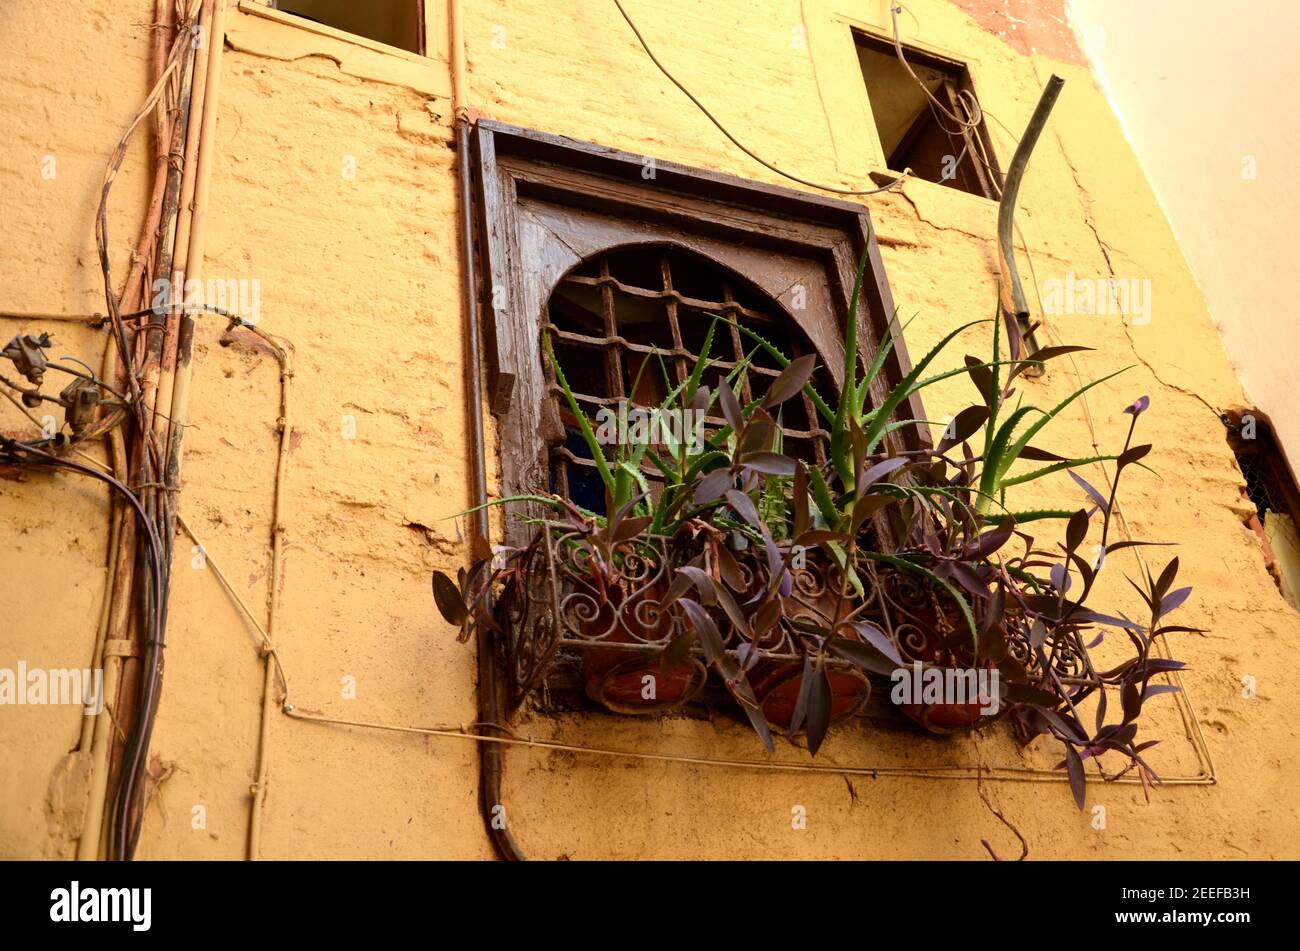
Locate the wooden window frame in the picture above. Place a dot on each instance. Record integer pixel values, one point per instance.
(599, 197)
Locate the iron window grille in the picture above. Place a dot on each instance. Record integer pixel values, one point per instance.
(639, 317)
(559, 218)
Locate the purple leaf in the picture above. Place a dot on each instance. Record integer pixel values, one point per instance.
(867, 506)
(990, 542)
(712, 486)
(879, 640)
(1091, 490)
(963, 426)
(1166, 579)
(744, 507)
(775, 563)
(1074, 765)
(1132, 700)
(769, 463)
(1131, 455)
(731, 408)
(1034, 454)
(791, 380)
(982, 377)
(703, 581)
(862, 655)
(450, 602)
(879, 471)
(786, 588)
(1076, 530)
(1093, 617)
(738, 685)
(819, 707)
(705, 630)
(1173, 600)
(801, 702)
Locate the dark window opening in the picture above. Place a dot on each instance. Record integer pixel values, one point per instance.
(398, 23)
(1272, 489)
(917, 134)
(630, 326)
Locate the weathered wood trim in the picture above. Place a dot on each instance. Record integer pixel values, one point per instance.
(614, 204)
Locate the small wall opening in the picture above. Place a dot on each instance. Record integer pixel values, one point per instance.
(1271, 487)
(398, 23)
(917, 134)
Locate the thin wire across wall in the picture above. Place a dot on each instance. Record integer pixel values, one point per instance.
(735, 141)
(268, 647)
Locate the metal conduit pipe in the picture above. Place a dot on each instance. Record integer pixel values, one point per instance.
(1014, 308)
(115, 646)
(490, 710)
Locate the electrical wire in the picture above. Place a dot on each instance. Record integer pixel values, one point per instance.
(968, 126)
(127, 816)
(736, 142)
(464, 732)
(974, 116)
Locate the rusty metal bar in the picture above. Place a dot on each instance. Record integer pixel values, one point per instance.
(1012, 294)
(490, 711)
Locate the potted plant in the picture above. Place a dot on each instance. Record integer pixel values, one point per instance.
(798, 583)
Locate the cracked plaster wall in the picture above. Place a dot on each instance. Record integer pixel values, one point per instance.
(362, 275)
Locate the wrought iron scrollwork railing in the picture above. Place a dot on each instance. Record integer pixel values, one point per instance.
(559, 597)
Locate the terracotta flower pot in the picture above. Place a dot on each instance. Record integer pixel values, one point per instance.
(946, 717)
(777, 682)
(926, 613)
(633, 681)
(778, 689)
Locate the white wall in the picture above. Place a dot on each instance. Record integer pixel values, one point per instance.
(1204, 89)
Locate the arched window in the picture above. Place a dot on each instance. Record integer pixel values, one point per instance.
(619, 256)
(629, 325)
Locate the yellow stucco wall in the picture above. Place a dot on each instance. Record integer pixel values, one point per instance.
(63, 127)
(362, 275)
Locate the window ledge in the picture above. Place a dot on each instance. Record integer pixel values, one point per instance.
(259, 9)
(936, 190)
(257, 29)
